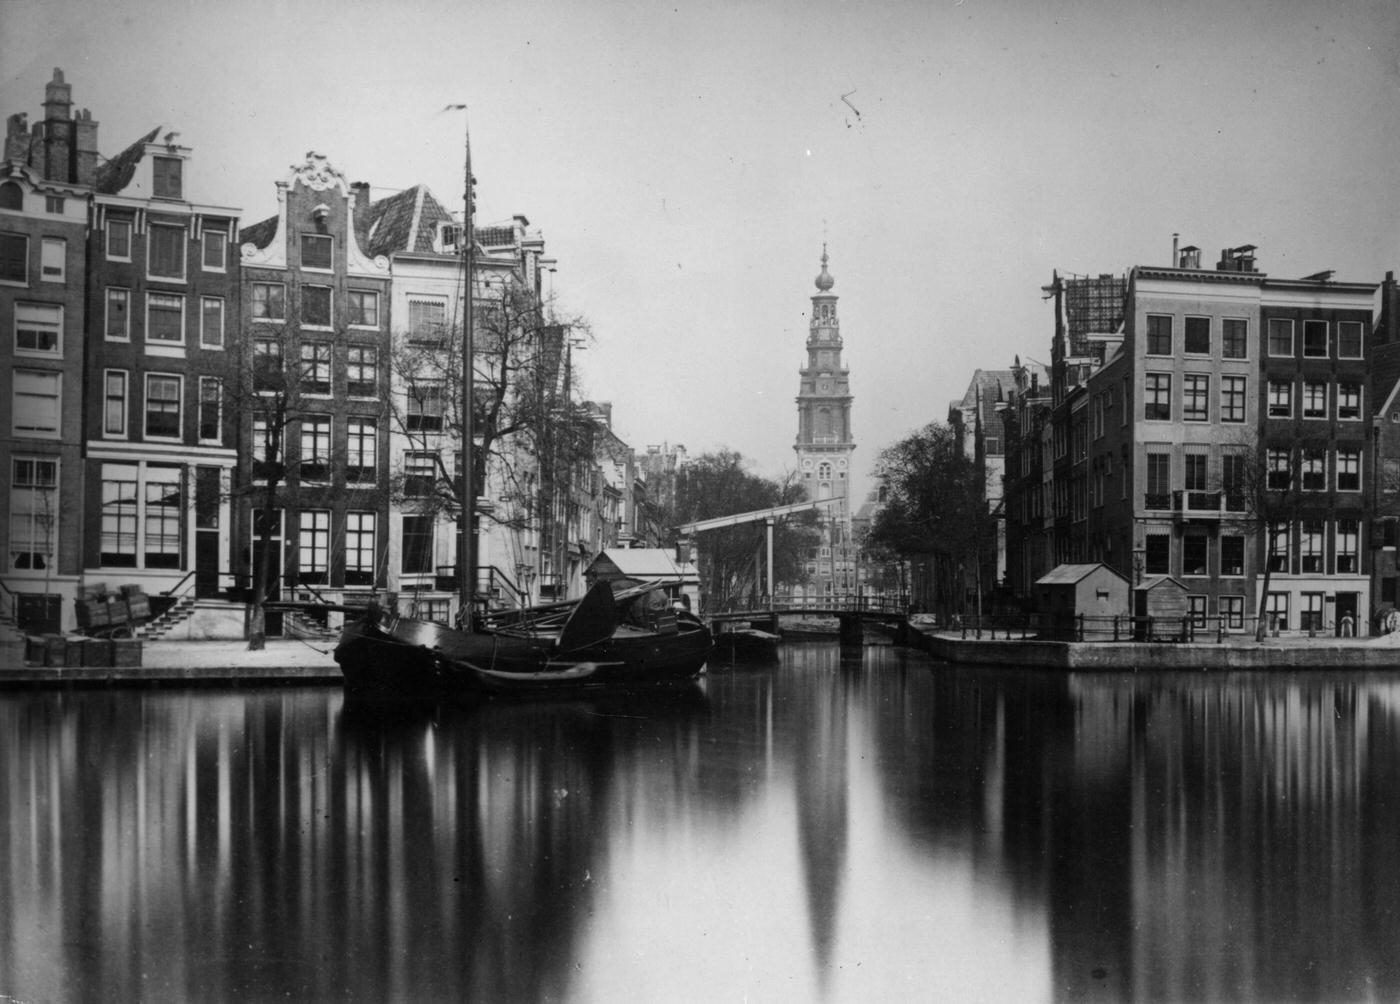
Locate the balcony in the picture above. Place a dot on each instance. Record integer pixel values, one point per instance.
(1188, 505)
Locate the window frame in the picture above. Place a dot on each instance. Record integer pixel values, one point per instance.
(178, 382)
(1347, 545)
(204, 342)
(356, 365)
(1234, 398)
(268, 300)
(1360, 330)
(1309, 407)
(1156, 386)
(221, 244)
(125, 296)
(123, 430)
(1356, 394)
(1280, 398)
(311, 240)
(46, 246)
(315, 368)
(423, 544)
(1349, 457)
(1153, 342)
(361, 451)
(1195, 397)
(1310, 327)
(317, 430)
(1228, 559)
(181, 236)
(314, 546)
(319, 288)
(161, 178)
(355, 301)
(1229, 327)
(152, 296)
(54, 328)
(217, 384)
(360, 553)
(39, 489)
(22, 240)
(109, 229)
(1278, 326)
(1190, 321)
(53, 379)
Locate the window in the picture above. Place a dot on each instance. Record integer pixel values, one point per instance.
(1280, 398)
(361, 371)
(267, 446)
(215, 250)
(163, 405)
(14, 258)
(166, 252)
(1280, 337)
(167, 177)
(38, 329)
(118, 323)
(1194, 554)
(1348, 401)
(165, 318)
(267, 364)
(1348, 546)
(417, 545)
(315, 251)
(11, 196)
(1234, 338)
(1157, 397)
(1127, 401)
(359, 548)
(1196, 608)
(1314, 471)
(1232, 398)
(362, 440)
(211, 322)
(1195, 397)
(425, 406)
(314, 546)
(1314, 399)
(1349, 339)
(419, 474)
(1232, 479)
(1197, 336)
(1159, 335)
(1310, 616)
(269, 301)
(364, 307)
(316, 448)
(53, 204)
(37, 400)
(119, 240)
(34, 506)
(1310, 546)
(119, 515)
(316, 305)
(1348, 469)
(1315, 339)
(114, 403)
(1196, 466)
(427, 321)
(1232, 612)
(211, 393)
(1276, 611)
(315, 375)
(53, 257)
(1277, 542)
(164, 508)
(1159, 480)
(1159, 553)
(1280, 474)
(1231, 554)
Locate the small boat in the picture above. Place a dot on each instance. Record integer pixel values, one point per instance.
(605, 641)
(747, 644)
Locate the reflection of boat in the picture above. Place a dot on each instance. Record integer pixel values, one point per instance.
(604, 641)
(747, 645)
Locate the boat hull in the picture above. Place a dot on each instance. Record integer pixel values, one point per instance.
(418, 660)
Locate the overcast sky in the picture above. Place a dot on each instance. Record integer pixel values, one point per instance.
(686, 161)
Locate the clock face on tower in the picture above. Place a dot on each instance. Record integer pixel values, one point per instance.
(826, 385)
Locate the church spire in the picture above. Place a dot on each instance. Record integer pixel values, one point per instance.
(825, 280)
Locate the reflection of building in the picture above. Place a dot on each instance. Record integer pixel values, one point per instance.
(824, 443)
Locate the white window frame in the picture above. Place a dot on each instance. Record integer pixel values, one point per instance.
(218, 385)
(1269, 338)
(53, 254)
(111, 225)
(122, 431)
(1228, 399)
(107, 314)
(1225, 322)
(329, 323)
(1347, 544)
(184, 239)
(20, 513)
(1313, 324)
(254, 287)
(1360, 339)
(314, 543)
(1275, 390)
(167, 343)
(362, 449)
(1349, 453)
(19, 282)
(221, 236)
(41, 381)
(350, 296)
(360, 544)
(204, 302)
(1359, 393)
(318, 431)
(1308, 407)
(301, 246)
(53, 325)
(179, 410)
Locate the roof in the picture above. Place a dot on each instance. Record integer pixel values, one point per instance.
(648, 562)
(116, 172)
(259, 234)
(1153, 581)
(1062, 575)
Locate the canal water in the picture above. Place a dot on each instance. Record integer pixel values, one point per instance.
(875, 827)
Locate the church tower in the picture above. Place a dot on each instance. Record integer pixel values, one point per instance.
(824, 444)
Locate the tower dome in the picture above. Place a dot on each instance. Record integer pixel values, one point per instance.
(825, 280)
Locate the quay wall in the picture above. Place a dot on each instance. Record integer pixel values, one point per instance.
(1145, 656)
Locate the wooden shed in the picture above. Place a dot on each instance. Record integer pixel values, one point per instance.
(1093, 592)
(1159, 608)
(680, 579)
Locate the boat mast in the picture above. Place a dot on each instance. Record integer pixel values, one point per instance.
(466, 545)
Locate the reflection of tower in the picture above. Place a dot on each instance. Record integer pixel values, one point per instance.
(824, 443)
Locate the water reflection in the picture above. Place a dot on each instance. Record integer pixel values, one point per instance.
(832, 827)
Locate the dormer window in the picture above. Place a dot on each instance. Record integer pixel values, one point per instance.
(167, 177)
(449, 236)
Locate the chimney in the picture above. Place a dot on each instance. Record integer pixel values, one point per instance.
(58, 129)
(1190, 257)
(85, 148)
(1175, 260)
(17, 138)
(359, 190)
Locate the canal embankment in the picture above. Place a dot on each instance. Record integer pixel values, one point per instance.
(1233, 652)
(190, 663)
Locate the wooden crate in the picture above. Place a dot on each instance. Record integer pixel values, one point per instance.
(126, 652)
(97, 652)
(55, 650)
(34, 646)
(93, 613)
(140, 606)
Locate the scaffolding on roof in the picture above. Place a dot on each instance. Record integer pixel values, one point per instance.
(1092, 305)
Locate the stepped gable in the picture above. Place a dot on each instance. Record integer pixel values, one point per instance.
(116, 173)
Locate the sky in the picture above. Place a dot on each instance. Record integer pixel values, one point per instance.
(686, 162)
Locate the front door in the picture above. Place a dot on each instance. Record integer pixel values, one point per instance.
(206, 563)
(1346, 614)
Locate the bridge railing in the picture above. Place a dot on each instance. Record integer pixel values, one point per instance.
(842, 603)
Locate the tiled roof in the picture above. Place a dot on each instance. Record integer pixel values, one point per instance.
(116, 172)
(406, 221)
(259, 234)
